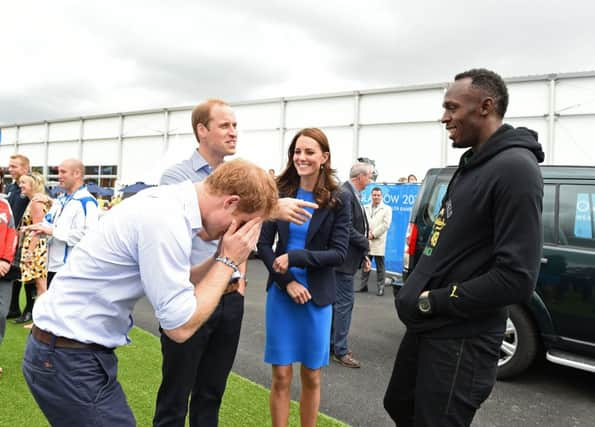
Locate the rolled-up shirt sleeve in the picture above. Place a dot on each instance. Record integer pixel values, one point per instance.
(164, 261)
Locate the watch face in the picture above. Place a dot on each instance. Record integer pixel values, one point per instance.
(424, 305)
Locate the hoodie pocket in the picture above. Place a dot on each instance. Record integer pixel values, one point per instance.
(408, 296)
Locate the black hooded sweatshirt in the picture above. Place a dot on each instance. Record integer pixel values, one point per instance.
(485, 247)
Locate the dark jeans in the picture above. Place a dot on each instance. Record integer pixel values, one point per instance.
(342, 309)
(441, 382)
(199, 366)
(380, 272)
(75, 387)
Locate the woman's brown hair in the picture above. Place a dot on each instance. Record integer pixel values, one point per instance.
(324, 190)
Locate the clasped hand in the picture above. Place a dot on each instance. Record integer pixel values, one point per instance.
(298, 292)
(281, 264)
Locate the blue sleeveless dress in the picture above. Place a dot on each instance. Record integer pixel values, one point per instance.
(297, 332)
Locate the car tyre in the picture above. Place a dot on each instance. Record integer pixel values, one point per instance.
(520, 344)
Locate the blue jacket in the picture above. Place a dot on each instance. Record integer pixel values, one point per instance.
(326, 245)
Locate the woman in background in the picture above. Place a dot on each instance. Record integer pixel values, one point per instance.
(34, 254)
(301, 284)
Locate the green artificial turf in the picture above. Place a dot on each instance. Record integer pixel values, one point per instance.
(245, 403)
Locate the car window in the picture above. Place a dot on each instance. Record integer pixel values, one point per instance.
(549, 214)
(577, 215)
(435, 201)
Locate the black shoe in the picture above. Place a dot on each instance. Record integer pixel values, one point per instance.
(13, 314)
(27, 317)
(364, 289)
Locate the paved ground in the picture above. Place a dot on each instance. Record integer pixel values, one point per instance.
(547, 395)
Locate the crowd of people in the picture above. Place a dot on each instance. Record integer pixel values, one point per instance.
(184, 245)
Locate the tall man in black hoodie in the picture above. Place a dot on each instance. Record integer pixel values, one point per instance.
(483, 255)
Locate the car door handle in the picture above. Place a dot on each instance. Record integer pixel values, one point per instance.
(544, 260)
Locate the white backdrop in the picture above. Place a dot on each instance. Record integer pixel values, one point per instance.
(399, 128)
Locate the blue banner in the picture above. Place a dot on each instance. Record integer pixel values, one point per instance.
(400, 197)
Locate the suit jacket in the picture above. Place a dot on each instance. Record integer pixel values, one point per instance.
(358, 233)
(325, 248)
(379, 225)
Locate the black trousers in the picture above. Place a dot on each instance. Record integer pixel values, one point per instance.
(14, 300)
(14, 275)
(199, 367)
(441, 382)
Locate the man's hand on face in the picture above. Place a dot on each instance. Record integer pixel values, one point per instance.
(292, 210)
(238, 243)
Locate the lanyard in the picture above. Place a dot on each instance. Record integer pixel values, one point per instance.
(63, 201)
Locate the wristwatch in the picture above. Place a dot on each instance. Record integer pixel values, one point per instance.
(423, 303)
(236, 277)
(228, 262)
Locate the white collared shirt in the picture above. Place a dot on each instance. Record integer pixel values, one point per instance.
(140, 247)
(195, 169)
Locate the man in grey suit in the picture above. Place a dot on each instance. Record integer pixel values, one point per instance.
(359, 176)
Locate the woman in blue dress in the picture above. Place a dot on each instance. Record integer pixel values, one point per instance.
(301, 284)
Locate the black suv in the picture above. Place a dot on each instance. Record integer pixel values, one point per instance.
(560, 317)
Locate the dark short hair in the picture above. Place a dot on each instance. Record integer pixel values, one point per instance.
(491, 84)
(375, 189)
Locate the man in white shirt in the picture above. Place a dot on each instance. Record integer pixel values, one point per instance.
(379, 218)
(142, 247)
(70, 217)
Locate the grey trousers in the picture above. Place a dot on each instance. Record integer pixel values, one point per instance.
(5, 295)
(380, 273)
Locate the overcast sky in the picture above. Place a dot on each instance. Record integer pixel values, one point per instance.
(65, 59)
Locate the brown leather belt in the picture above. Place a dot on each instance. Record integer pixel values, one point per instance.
(232, 287)
(61, 342)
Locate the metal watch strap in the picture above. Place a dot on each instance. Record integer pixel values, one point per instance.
(228, 262)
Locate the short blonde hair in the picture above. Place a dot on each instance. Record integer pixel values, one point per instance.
(21, 158)
(255, 186)
(37, 182)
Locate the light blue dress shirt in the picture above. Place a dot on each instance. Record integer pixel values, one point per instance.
(194, 169)
(140, 247)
